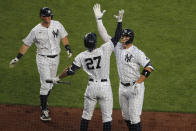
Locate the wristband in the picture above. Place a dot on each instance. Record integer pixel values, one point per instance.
(67, 47)
(146, 73)
(19, 55)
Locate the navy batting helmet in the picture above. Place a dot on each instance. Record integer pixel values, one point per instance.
(130, 33)
(46, 12)
(90, 40)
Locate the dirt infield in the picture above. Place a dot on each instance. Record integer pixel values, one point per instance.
(26, 118)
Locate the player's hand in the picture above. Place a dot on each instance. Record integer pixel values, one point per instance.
(13, 61)
(137, 87)
(69, 53)
(55, 80)
(97, 11)
(68, 49)
(119, 17)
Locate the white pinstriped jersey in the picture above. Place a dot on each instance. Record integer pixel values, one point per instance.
(47, 40)
(129, 62)
(96, 63)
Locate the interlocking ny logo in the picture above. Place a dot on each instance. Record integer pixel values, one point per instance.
(55, 33)
(128, 57)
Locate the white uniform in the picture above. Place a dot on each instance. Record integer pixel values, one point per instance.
(47, 41)
(97, 65)
(128, 62)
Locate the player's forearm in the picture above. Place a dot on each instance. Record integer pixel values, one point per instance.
(69, 71)
(141, 79)
(65, 41)
(24, 48)
(102, 31)
(144, 76)
(118, 32)
(63, 74)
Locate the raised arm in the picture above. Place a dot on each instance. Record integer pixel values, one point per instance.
(118, 32)
(23, 49)
(67, 71)
(101, 29)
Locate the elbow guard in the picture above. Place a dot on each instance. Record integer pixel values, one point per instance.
(70, 71)
(19, 55)
(146, 73)
(149, 64)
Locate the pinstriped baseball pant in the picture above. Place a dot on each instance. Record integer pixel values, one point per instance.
(47, 68)
(100, 92)
(131, 104)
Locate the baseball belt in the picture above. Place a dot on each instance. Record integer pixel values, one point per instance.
(102, 80)
(128, 84)
(50, 56)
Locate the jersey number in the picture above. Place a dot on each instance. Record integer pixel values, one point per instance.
(89, 62)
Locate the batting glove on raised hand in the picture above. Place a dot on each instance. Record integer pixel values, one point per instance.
(97, 11)
(13, 61)
(119, 17)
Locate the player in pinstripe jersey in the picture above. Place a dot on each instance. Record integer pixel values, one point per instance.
(131, 89)
(96, 63)
(46, 36)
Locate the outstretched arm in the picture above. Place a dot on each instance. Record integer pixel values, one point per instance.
(102, 31)
(68, 71)
(101, 28)
(118, 32)
(23, 49)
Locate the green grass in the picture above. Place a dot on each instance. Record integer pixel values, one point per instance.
(165, 30)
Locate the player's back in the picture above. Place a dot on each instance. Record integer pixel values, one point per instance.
(97, 62)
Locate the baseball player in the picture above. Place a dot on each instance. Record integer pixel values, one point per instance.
(129, 59)
(46, 36)
(96, 63)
